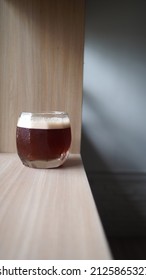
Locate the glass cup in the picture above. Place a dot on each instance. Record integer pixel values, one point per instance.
(43, 139)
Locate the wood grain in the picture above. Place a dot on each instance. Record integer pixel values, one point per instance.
(48, 214)
(41, 62)
(44, 214)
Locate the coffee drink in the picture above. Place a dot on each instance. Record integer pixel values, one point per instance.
(43, 140)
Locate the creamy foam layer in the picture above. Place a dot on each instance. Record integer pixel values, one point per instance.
(28, 120)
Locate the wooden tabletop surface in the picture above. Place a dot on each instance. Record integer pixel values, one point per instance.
(48, 214)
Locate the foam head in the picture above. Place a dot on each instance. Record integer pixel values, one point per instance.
(53, 120)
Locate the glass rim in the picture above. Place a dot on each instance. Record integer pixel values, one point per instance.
(49, 113)
(35, 120)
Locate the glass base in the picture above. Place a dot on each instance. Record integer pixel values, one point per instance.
(45, 164)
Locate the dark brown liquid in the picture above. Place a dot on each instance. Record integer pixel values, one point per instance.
(42, 144)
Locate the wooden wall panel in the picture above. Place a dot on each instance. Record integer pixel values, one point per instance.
(41, 62)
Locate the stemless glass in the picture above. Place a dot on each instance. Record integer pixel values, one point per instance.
(43, 139)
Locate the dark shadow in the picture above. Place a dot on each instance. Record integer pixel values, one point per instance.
(118, 25)
(122, 221)
(128, 248)
(91, 156)
(117, 30)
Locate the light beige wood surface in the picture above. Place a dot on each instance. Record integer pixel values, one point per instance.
(44, 214)
(48, 214)
(41, 62)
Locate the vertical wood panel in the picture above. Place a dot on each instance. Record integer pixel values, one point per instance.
(41, 62)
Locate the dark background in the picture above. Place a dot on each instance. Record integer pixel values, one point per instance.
(113, 143)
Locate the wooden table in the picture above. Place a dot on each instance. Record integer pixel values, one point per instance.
(48, 214)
